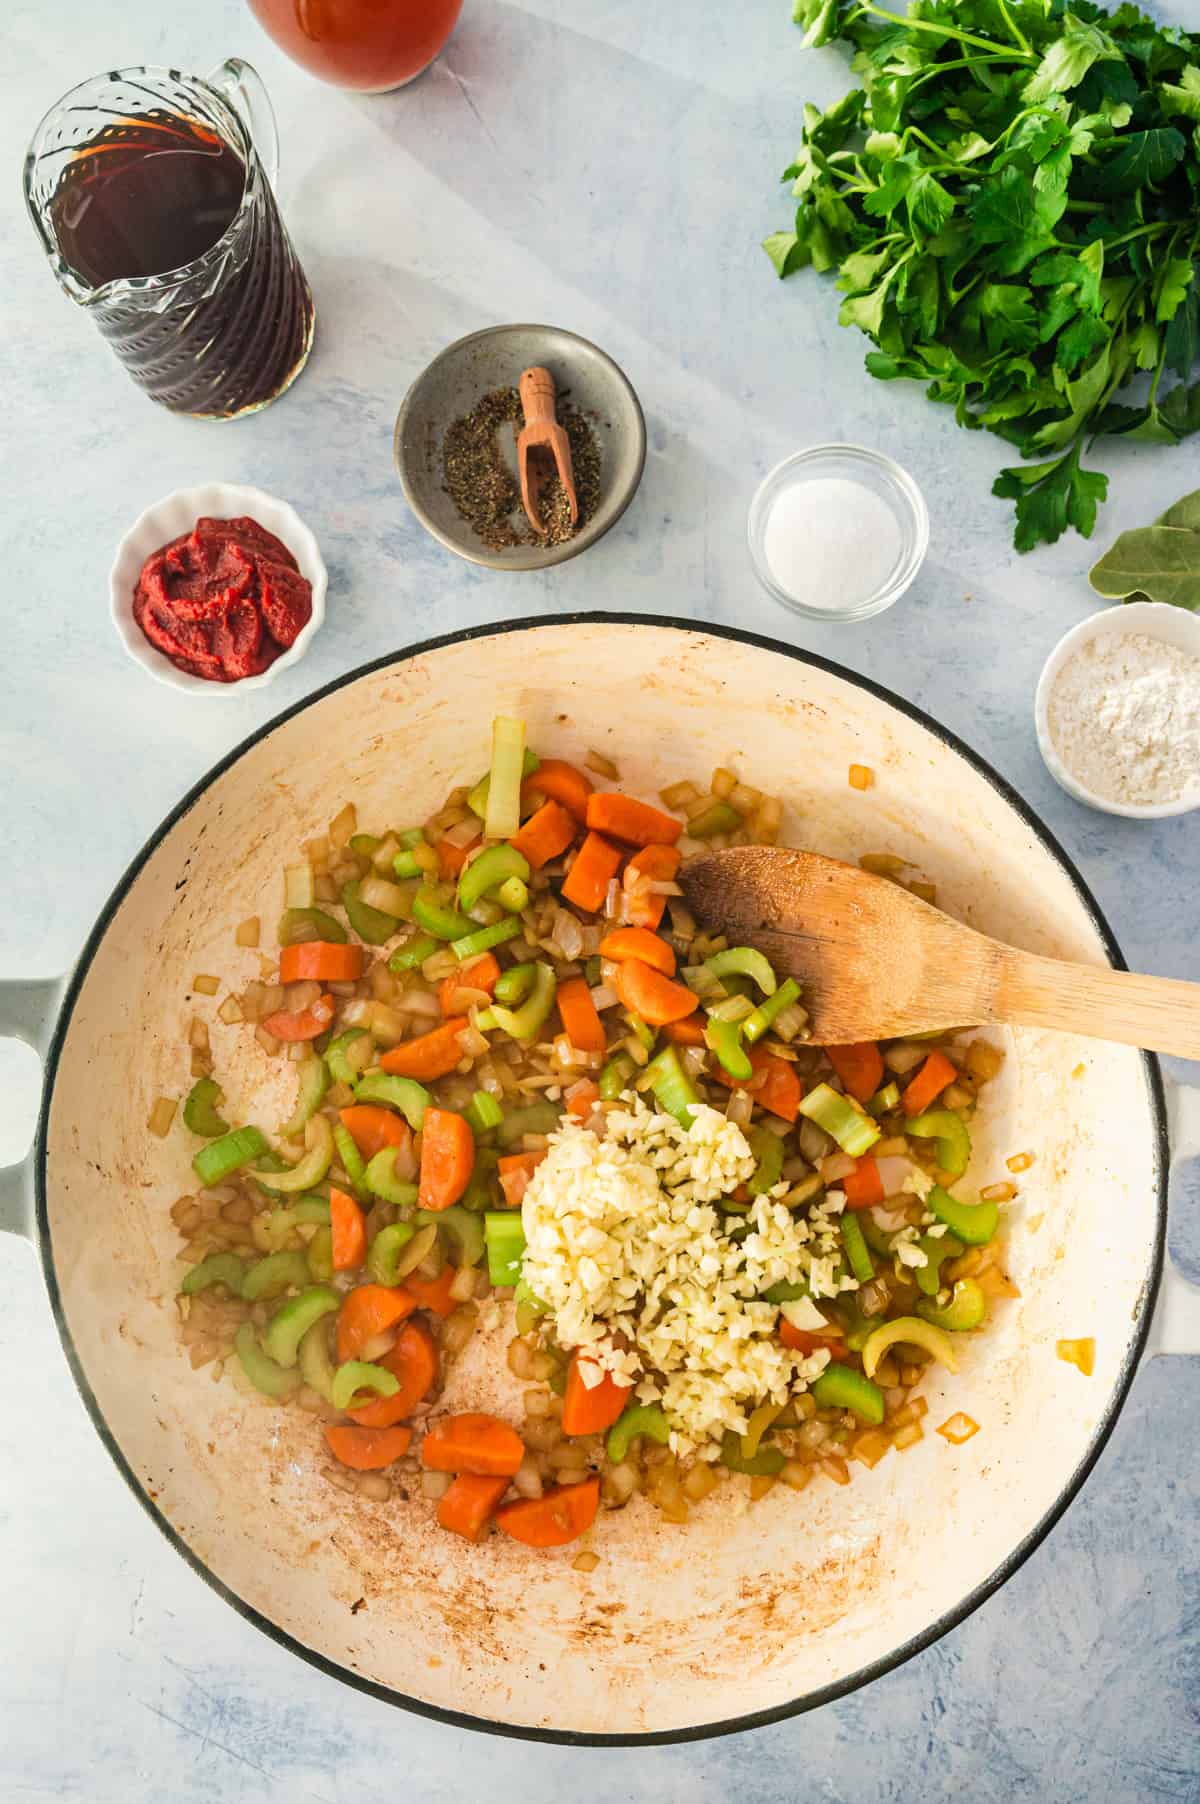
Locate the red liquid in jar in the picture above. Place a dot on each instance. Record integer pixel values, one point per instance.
(368, 44)
(151, 195)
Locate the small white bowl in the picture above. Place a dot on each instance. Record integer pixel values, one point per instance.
(1155, 619)
(887, 480)
(176, 514)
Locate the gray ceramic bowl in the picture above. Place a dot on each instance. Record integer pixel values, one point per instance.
(494, 358)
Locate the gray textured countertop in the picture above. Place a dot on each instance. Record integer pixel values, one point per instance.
(622, 196)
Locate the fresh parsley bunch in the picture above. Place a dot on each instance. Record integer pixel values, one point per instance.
(1012, 203)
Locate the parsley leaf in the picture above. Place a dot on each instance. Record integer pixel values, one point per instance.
(1068, 60)
(1050, 497)
(1144, 157)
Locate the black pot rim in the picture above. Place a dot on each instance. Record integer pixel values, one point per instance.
(752, 1719)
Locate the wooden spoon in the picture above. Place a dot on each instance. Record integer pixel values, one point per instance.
(542, 446)
(877, 963)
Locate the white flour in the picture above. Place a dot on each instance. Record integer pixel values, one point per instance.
(1124, 717)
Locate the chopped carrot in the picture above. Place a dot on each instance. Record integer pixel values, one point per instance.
(639, 942)
(775, 1084)
(591, 1410)
(928, 1084)
(581, 1023)
(688, 1032)
(320, 961)
(414, 1361)
(637, 823)
(430, 1055)
(301, 1024)
(373, 1127)
(555, 1518)
(545, 834)
(367, 1449)
(596, 864)
(801, 1341)
(780, 1091)
(582, 1098)
(348, 1227)
(370, 1310)
(515, 1171)
(434, 1293)
(447, 1158)
(480, 974)
(469, 1504)
(860, 1067)
(657, 999)
(863, 1185)
(652, 864)
(473, 1442)
(560, 782)
(451, 858)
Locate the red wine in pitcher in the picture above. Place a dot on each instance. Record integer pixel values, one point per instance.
(151, 197)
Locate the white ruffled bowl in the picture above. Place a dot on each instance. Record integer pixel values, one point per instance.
(176, 514)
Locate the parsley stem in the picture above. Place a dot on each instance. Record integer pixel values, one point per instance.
(958, 62)
(1014, 30)
(943, 31)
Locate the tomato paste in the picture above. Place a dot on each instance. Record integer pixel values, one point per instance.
(224, 600)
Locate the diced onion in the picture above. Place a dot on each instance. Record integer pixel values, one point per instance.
(463, 832)
(422, 1003)
(389, 898)
(527, 1480)
(958, 1428)
(298, 886)
(895, 1174)
(568, 934)
(161, 1117)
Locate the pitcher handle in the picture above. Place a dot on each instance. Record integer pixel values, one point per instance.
(27, 1012)
(243, 87)
(1176, 1324)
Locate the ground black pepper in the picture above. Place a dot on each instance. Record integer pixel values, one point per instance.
(480, 477)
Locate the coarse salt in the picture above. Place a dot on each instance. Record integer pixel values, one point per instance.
(831, 542)
(1124, 717)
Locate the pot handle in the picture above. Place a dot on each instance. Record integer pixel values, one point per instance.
(1176, 1324)
(28, 1009)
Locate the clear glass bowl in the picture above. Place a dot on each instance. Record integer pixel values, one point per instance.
(893, 485)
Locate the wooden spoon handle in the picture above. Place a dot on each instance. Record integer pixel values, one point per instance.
(536, 389)
(1161, 1014)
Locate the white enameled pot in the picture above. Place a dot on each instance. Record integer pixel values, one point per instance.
(749, 1612)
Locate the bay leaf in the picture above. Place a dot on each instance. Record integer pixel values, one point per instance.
(1161, 563)
(1183, 513)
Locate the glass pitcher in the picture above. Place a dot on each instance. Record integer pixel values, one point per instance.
(144, 167)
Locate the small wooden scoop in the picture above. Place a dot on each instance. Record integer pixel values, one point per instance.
(542, 441)
(877, 963)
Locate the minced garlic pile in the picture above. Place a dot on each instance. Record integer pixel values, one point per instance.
(625, 1248)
